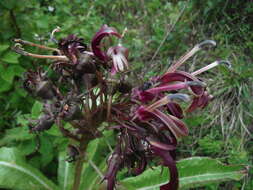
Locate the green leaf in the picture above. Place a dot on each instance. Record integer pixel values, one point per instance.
(16, 134)
(10, 72)
(36, 109)
(46, 149)
(5, 86)
(3, 47)
(197, 171)
(10, 57)
(193, 172)
(15, 173)
(54, 130)
(65, 172)
(27, 147)
(9, 4)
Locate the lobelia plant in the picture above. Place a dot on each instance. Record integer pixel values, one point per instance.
(91, 86)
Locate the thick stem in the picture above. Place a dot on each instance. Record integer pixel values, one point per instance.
(79, 166)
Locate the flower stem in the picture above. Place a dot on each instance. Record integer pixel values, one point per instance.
(79, 165)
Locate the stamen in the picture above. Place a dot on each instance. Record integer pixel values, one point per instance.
(88, 53)
(23, 42)
(212, 65)
(189, 54)
(57, 29)
(123, 33)
(18, 49)
(177, 86)
(165, 100)
(180, 96)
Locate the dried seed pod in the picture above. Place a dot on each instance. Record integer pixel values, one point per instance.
(44, 90)
(37, 84)
(71, 112)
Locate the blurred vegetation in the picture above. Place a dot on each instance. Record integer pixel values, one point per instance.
(159, 31)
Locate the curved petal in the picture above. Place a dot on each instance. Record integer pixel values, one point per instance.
(182, 76)
(141, 166)
(171, 164)
(113, 167)
(154, 143)
(177, 127)
(175, 110)
(95, 43)
(142, 96)
(199, 102)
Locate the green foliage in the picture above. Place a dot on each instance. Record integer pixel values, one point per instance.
(193, 172)
(15, 173)
(209, 145)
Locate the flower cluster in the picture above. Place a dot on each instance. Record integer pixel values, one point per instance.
(90, 87)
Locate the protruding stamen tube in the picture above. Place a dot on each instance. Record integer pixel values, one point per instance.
(196, 83)
(18, 49)
(57, 29)
(206, 43)
(23, 42)
(212, 65)
(179, 96)
(189, 54)
(177, 86)
(165, 100)
(124, 32)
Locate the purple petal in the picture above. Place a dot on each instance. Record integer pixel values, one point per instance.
(182, 76)
(170, 87)
(142, 164)
(95, 43)
(175, 110)
(113, 166)
(199, 102)
(177, 127)
(171, 164)
(154, 143)
(143, 114)
(142, 96)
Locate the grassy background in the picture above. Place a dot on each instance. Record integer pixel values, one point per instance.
(159, 31)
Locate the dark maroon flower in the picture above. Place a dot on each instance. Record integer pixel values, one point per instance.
(86, 94)
(72, 46)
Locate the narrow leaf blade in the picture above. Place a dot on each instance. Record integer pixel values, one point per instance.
(193, 172)
(65, 172)
(16, 174)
